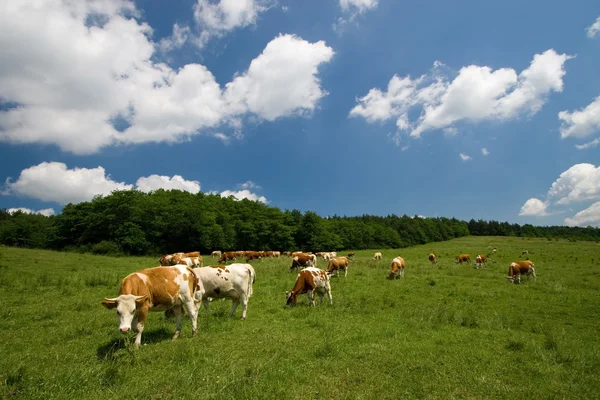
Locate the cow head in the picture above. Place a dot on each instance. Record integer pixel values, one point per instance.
(290, 298)
(126, 305)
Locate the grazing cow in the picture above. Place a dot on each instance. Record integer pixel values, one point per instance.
(228, 255)
(253, 255)
(463, 258)
(397, 268)
(480, 260)
(518, 268)
(309, 281)
(155, 289)
(494, 250)
(351, 254)
(524, 252)
(276, 254)
(170, 259)
(377, 256)
(191, 261)
(192, 254)
(222, 281)
(303, 260)
(337, 263)
(432, 258)
(216, 254)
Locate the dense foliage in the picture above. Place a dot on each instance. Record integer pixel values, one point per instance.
(136, 223)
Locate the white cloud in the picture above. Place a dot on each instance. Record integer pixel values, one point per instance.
(52, 181)
(154, 182)
(450, 131)
(359, 6)
(249, 185)
(46, 211)
(244, 194)
(581, 123)
(464, 157)
(50, 52)
(588, 145)
(534, 207)
(476, 94)
(589, 216)
(177, 39)
(593, 29)
(578, 183)
(282, 81)
(215, 19)
(485, 151)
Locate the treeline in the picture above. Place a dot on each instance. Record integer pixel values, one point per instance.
(136, 223)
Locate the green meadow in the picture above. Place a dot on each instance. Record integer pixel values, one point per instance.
(444, 331)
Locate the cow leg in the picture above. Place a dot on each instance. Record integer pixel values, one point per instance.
(192, 310)
(138, 328)
(206, 303)
(329, 295)
(533, 273)
(178, 311)
(311, 297)
(244, 306)
(235, 297)
(346, 273)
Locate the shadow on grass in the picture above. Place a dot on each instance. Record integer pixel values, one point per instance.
(108, 351)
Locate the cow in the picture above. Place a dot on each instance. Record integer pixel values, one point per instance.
(222, 281)
(351, 254)
(228, 255)
(170, 259)
(337, 263)
(377, 256)
(276, 254)
(216, 254)
(191, 261)
(155, 289)
(518, 268)
(287, 253)
(192, 254)
(494, 250)
(397, 268)
(253, 255)
(432, 258)
(309, 281)
(296, 253)
(480, 260)
(303, 260)
(463, 258)
(525, 252)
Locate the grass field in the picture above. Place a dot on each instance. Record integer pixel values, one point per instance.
(444, 331)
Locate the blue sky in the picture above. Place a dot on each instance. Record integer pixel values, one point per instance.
(462, 109)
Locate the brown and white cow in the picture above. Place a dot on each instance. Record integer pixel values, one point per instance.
(155, 289)
(518, 268)
(170, 259)
(463, 258)
(480, 260)
(191, 261)
(303, 260)
(351, 254)
(216, 254)
(377, 256)
(336, 264)
(432, 258)
(397, 271)
(310, 281)
(494, 250)
(228, 256)
(232, 281)
(525, 252)
(253, 255)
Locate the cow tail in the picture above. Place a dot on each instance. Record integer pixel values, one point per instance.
(250, 281)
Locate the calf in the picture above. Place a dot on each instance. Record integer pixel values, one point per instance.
(397, 268)
(525, 252)
(222, 281)
(155, 289)
(463, 258)
(336, 264)
(480, 260)
(377, 256)
(432, 258)
(309, 281)
(303, 260)
(518, 268)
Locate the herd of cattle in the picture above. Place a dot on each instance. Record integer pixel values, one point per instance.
(182, 282)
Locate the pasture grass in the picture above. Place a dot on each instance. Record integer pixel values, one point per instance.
(444, 331)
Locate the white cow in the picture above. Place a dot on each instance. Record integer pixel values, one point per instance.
(221, 281)
(377, 256)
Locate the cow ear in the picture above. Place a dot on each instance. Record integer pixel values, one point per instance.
(139, 300)
(109, 303)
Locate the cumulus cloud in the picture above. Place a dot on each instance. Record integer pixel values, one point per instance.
(46, 211)
(578, 183)
(581, 123)
(177, 39)
(593, 29)
(464, 157)
(534, 207)
(249, 185)
(51, 51)
(589, 216)
(588, 145)
(244, 194)
(477, 93)
(352, 9)
(155, 182)
(485, 151)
